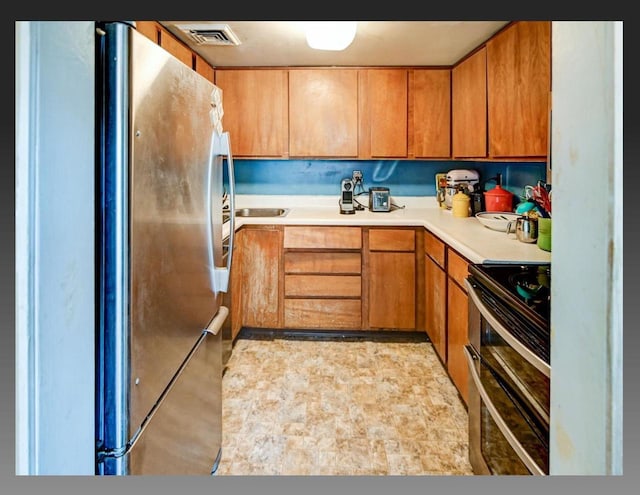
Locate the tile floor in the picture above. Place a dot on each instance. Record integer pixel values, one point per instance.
(345, 406)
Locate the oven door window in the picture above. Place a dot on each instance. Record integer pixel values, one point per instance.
(496, 450)
(532, 384)
(526, 424)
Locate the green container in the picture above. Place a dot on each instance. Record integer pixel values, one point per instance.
(544, 234)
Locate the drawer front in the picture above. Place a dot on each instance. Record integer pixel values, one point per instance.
(434, 247)
(322, 237)
(458, 267)
(323, 285)
(392, 240)
(305, 262)
(322, 313)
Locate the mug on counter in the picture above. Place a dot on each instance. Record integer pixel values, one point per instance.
(525, 228)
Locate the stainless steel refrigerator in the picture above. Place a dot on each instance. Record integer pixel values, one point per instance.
(160, 156)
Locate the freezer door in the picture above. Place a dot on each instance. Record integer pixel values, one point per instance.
(175, 240)
(184, 436)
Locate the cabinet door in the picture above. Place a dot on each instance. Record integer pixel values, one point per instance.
(383, 113)
(436, 306)
(457, 337)
(176, 48)
(519, 85)
(323, 113)
(203, 68)
(255, 104)
(430, 113)
(261, 254)
(469, 106)
(392, 290)
(151, 29)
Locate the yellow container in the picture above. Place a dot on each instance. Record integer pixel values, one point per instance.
(461, 205)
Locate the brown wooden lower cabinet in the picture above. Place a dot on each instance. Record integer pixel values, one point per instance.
(392, 290)
(436, 306)
(327, 277)
(435, 292)
(260, 278)
(391, 278)
(322, 277)
(457, 338)
(457, 322)
(330, 314)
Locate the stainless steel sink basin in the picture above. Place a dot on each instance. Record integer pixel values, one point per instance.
(261, 212)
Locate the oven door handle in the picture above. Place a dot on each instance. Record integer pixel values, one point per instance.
(520, 451)
(505, 334)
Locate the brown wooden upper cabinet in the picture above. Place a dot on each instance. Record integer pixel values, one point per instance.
(151, 29)
(323, 113)
(429, 113)
(469, 107)
(175, 47)
(203, 68)
(518, 89)
(255, 104)
(159, 35)
(383, 113)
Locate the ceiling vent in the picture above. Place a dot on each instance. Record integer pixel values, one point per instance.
(210, 34)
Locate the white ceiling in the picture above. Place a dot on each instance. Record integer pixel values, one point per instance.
(377, 43)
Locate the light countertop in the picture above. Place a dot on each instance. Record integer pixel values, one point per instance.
(468, 236)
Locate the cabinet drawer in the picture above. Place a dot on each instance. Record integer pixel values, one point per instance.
(322, 313)
(392, 240)
(326, 262)
(458, 268)
(323, 237)
(434, 247)
(323, 285)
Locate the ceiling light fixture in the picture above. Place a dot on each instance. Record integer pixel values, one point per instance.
(330, 35)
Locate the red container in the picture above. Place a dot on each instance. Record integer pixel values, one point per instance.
(498, 199)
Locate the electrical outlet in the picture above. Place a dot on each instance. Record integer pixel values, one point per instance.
(357, 176)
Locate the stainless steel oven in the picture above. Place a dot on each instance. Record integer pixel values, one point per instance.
(509, 368)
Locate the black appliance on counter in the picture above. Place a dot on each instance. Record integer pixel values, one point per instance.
(509, 368)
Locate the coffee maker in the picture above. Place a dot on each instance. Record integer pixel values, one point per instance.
(346, 197)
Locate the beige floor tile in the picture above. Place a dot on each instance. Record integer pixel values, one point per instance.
(295, 406)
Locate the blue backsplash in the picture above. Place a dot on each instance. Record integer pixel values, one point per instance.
(403, 177)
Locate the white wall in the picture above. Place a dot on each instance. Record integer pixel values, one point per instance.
(55, 248)
(586, 313)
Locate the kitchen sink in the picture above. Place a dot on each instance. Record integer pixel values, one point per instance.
(261, 212)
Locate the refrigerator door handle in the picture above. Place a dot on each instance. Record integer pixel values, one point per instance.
(221, 145)
(232, 203)
(218, 320)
